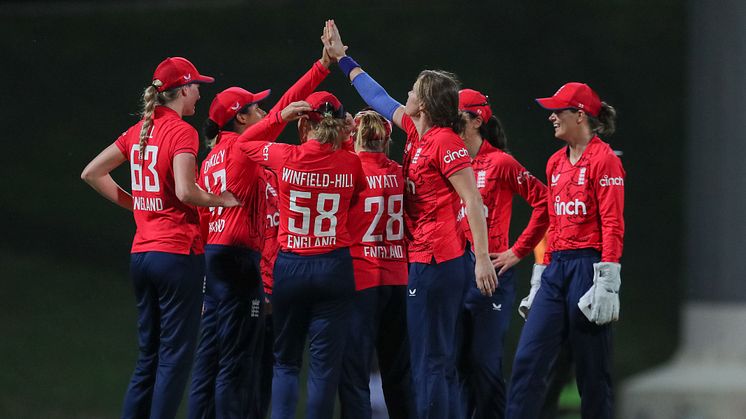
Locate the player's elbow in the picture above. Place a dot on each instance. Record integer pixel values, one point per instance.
(184, 194)
(87, 175)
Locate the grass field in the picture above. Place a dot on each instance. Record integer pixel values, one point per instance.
(68, 340)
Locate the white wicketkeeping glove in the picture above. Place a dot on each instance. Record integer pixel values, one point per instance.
(525, 305)
(601, 303)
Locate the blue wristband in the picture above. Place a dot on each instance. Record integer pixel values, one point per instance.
(347, 64)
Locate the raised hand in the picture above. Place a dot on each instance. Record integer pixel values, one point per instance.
(295, 110)
(332, 41)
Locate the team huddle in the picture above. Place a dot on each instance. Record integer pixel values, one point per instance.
(238, 264)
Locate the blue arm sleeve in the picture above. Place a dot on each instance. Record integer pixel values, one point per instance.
(375, 95)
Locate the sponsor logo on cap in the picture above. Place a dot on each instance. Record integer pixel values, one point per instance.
(236, 106)
(187, 76)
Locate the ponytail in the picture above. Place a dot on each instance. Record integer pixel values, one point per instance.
(211, 131)
(149, 99)
(605, 123)
(492, 130)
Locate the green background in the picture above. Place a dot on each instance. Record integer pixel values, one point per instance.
(72, 79)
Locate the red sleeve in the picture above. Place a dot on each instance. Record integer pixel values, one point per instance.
(122, 141)
(360, 180)
(609, 187)
(408, 126)
(265, 153)
(523, 183)
(186, 141)
(552, 221)
(271, 129)
(450, 154)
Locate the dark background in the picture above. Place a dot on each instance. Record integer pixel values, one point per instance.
(72, 74)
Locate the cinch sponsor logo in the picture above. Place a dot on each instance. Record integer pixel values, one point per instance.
(411, 187)
(611, 181)
(523, 176)
(265, 151)
(453, 155)
(569, 208)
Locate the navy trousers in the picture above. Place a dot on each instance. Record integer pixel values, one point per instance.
(168, 292)
(435, 298)
(222, 385)
(378, 324)
(555, 319)
(311, 296)
(263, 371)
(485, 323)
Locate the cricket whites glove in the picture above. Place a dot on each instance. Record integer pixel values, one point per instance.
(525, 305)
(601, 303)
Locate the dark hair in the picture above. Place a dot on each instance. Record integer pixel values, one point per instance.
(211, 130)
(605, 123)
(438, 92)
(492, 130)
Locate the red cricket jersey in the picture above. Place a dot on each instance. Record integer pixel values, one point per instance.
(586, 202)
(499, 176)
(226, 167)
(431, 204)
(380, 257)
(271, 223)
(316, 185)
(164, 223)
(270, 127)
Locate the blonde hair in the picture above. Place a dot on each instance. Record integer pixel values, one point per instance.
(329, 130)
(150, 98)
(371, 134)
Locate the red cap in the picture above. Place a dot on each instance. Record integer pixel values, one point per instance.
(227, 103)
(470, 100)
(176, 71)
(324, 103)
(573, 96)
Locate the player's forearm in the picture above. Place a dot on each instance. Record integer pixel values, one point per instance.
(109, 189)
(194, 195)
(477, 225)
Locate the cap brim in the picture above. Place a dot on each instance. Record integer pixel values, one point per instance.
(204, 79)
(552, 104)
(261, 95)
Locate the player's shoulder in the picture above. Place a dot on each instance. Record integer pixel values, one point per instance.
(557, 156)
(603, 154)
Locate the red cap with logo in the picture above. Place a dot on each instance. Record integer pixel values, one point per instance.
(471, 101)
(573, 96)
(323, 104)
(175, 72)
(227, 103)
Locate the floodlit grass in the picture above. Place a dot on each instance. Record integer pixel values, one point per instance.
(68, 339)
